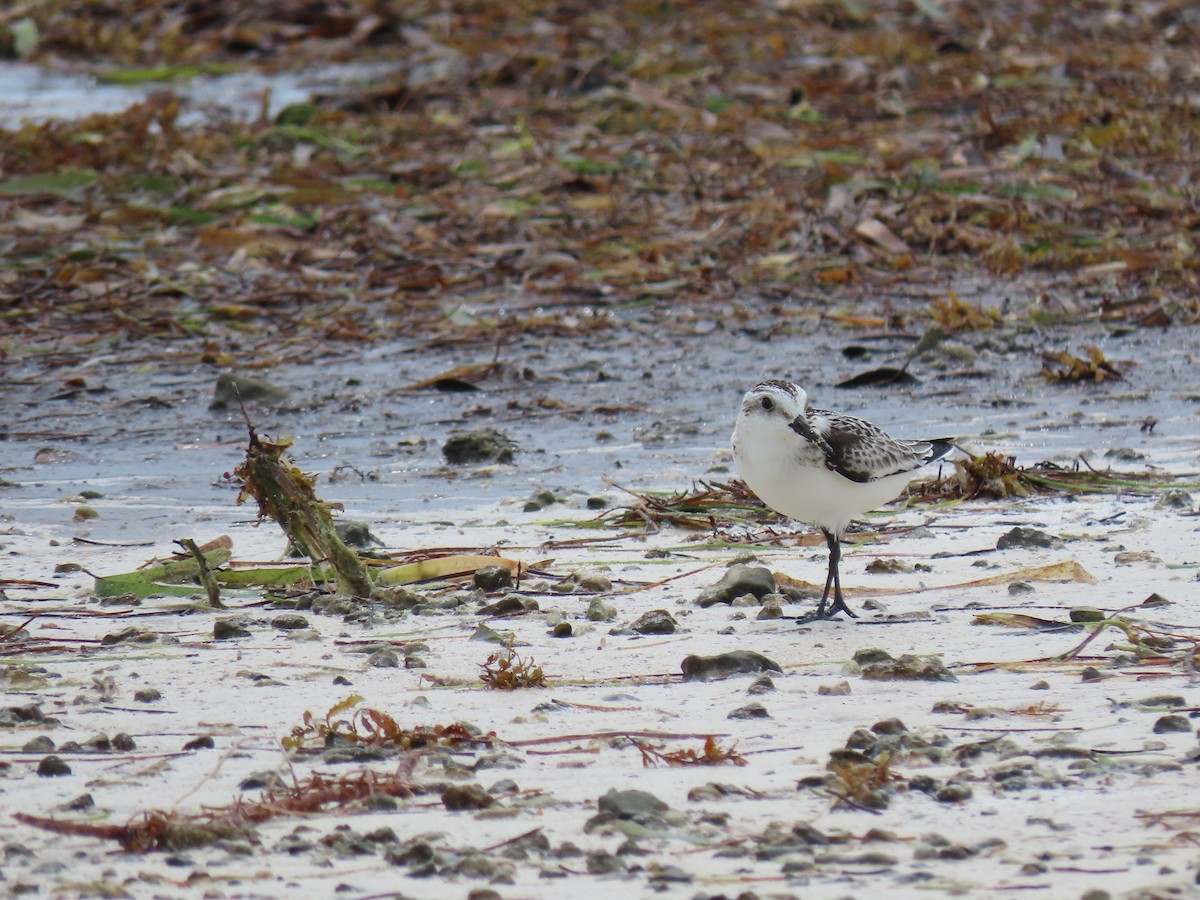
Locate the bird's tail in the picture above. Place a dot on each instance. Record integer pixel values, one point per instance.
(933, 449)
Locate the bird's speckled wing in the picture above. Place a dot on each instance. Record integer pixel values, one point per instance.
(860, 451)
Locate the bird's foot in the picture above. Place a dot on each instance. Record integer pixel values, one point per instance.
(838, 606)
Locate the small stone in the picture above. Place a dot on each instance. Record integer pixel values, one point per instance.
(771, 609)
(1020, 588)
(1170, 724)
(750, 711)
(953, 793)
(539, 500)
(725, 665)
(356, 534)
(738, 579)
(1161, 701)
(384, 659)
(505, 606)
(562, 630)
(631, 804)
(594, 582)
(1136, 557)
(1174, 499)
(599, 611)
(656, 621)
(53, 767)
(597, 503)
(872, 655)
(228, 628)
(289, 622)
(838, 689)
(761, 685)
(888, 567)
(1091, 673)
(466, 796)
(81, 803)
(483, 445)
(232, 390)
(1026, 539)
(204, 742)
(908, 668)
(147, 695)
(395, 597)
(123, 743)
(601, 862)
(889, 726)
(493, 578)
(1087, 614)
(1040, 686)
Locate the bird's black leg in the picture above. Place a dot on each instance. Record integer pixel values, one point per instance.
(834, 576)
(821, 614)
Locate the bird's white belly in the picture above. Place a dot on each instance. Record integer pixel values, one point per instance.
(782, 479)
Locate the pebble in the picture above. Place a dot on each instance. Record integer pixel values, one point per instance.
(231, 390)
(595, 582)
(147, 695)
(599, 611)
(289, 622)
(631, 804)
(466, 796)
(81, 803)
(53, 767)
(750, 711)
(231, 627)
(539, 500)
(505, 606)
(482, 445)
(384, 659)
(838, 689)
(772, 608)
(906, 668)
(761, 685)
(493, 578)
(656, 621)
(738, 579)
(1023, 538)
(1174, 499)
(725, 665)
(1170, 724)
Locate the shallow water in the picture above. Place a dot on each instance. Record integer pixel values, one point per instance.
(34, 94)
(598, 411)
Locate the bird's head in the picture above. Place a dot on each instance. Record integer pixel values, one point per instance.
(775, 399)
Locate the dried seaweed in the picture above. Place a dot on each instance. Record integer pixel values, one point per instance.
(713, 754)
(372, 727)
(860, 784)
(287, 495)
(956, 315)
(159, 830)
(506, 670)
(703, 507)
(992, 475)
(1066, 367)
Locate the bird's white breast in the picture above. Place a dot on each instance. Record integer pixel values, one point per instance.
(789, 475)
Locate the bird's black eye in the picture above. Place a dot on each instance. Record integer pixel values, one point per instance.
(767, 403)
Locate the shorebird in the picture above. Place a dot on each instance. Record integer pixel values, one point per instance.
(822, 467)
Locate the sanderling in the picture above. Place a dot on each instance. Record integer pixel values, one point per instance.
(821, 467)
